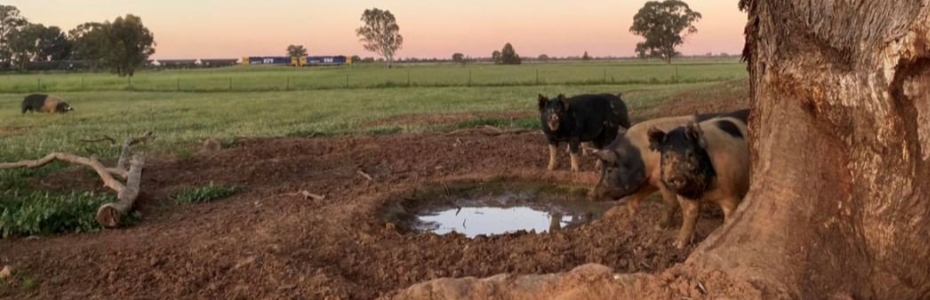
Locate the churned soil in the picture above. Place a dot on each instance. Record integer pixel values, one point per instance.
(269, 241)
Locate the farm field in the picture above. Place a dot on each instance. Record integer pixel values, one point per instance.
(261, 240)
(374, 75)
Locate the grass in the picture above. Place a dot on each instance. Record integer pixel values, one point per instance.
(281, 78)
(42, 213)
(182, 120)
(204, 194)
(186, 118)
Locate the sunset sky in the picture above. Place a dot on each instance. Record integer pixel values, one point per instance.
(236, 28)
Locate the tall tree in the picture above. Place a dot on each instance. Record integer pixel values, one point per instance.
(496, 56)
(509, 56)
(129, 44)
(585, 56)
(543, 57)
(53, 45)
(458, 57)
(10, 22)
(664, 25)
(89, 43)
(381, 34)
(296, 50)
(24, 44)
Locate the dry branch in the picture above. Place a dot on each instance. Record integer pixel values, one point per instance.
(110, 214)
(360, 172)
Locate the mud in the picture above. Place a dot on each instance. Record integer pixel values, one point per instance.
(268, 242)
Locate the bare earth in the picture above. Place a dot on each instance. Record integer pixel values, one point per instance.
(266, 242)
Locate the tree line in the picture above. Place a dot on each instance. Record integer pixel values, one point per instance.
(663, 24)
(121, 46)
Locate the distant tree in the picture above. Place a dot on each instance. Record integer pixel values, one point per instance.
(296, 50)
(543, 57)
(458, 57)
(356, 58)
(23, 44)
(662, 24)
(129, 44)
(381, 34)
(496, 56)
(10, 22)
(510, 56)
(585, 56)
(53, 45)
(89, 43)
(369, 59)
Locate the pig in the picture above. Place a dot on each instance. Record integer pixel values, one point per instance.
(631, 169)
(45, 103)
(705, 162)
(594, 118)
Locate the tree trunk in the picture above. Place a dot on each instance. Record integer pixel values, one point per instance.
(840, 135)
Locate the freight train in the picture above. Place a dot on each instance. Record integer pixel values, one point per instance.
(297, 61)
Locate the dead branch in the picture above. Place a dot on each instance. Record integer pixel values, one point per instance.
(110, 214)
(105, 138)
(360, 172)
(123, 162)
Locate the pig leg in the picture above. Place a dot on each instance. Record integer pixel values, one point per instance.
(671, 207)
(574, 148)
(691, 210)
(728, 206)
(632, 204)
(553, 150)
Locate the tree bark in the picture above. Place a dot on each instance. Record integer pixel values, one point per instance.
(840, 196)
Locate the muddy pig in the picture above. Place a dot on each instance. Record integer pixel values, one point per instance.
(632, 170)
(593, 118)
(45, 103)
(706, 162)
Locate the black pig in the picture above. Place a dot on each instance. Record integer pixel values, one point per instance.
(594, 118)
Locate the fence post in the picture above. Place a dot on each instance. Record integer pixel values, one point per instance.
(179, 84)
(408, 77)
(288, 86)
(230, 83)
(605, 75)
(82, 83)
(39, 84)
(537, 76)
(469, 77)
(347, 80)
(129, 79)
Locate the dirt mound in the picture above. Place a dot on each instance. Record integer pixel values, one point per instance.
(268, 242)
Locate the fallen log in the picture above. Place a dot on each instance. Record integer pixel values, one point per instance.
(129, 167)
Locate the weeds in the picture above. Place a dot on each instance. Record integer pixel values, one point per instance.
(204, 194)
(42, 213)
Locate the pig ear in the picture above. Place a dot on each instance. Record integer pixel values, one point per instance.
(656, 138)
(564, 103)
(621, 131)
(541, 101)
(694, 133)
(606, 155)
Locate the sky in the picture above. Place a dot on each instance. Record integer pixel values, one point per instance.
(431, 28)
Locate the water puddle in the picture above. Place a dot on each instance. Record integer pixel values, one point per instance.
(490, 211)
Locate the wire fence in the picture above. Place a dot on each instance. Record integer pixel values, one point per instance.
(245, 81)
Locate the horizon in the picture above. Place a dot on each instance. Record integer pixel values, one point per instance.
(228, 29)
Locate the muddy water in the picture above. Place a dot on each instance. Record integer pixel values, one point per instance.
(508, 212)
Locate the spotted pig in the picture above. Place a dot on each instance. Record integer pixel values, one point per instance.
(45, 103)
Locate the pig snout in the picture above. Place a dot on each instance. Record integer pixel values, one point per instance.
(676, 182)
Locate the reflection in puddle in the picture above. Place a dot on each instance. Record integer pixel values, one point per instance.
(506, 213)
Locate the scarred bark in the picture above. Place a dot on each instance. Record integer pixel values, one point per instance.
(839, 200)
